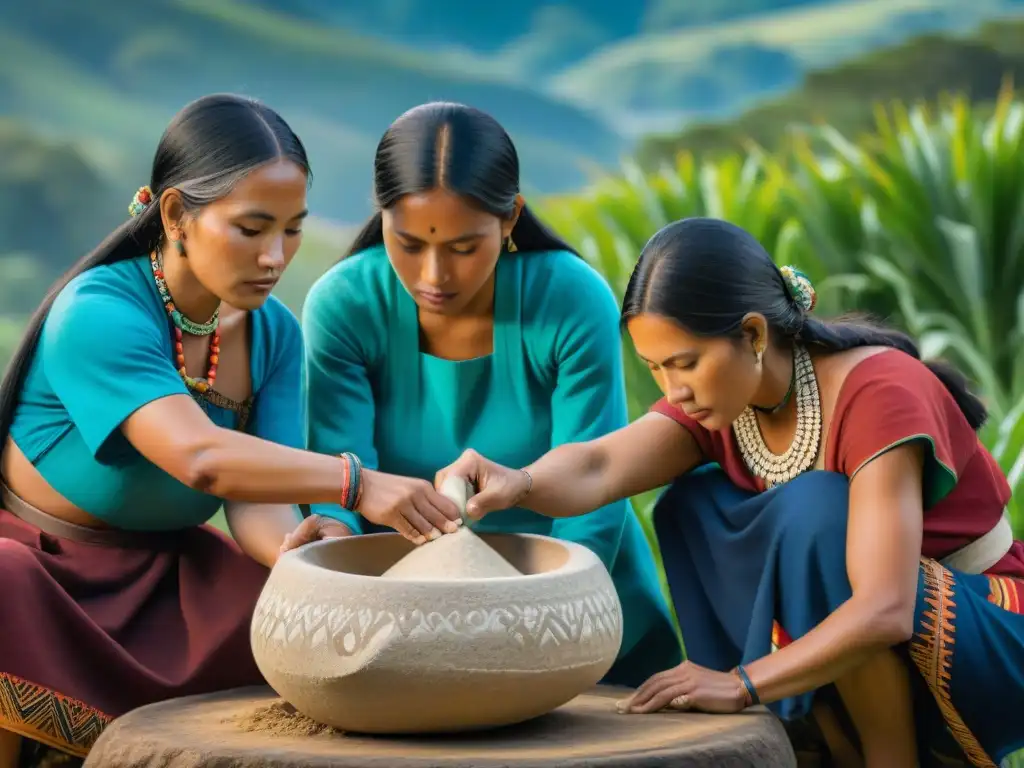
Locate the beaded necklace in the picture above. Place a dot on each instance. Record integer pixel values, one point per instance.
(773, 468)
(183, 325)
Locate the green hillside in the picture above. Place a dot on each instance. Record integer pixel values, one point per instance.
(573, 81)
(103, 74)
(50, 199)
(668, 76)
(846, 96)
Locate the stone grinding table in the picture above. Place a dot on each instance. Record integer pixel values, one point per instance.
(203, 732)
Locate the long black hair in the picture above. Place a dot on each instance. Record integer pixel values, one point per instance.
(207, 147)
(458, 148)
(707, 274)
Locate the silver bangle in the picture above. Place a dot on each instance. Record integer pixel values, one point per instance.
(528, 488)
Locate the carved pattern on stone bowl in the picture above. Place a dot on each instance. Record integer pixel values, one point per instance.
(584, 628)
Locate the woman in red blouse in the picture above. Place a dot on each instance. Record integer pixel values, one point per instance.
(833, 532)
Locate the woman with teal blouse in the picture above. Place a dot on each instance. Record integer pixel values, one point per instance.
(458, 320)
(158, 382)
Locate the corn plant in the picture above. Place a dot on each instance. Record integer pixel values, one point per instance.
(1005, 439)
(931, 210)
(936, 212)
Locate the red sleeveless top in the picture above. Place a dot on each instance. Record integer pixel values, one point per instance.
(888, 399)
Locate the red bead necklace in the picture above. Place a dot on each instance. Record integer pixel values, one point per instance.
(198, 385)
(194, 384)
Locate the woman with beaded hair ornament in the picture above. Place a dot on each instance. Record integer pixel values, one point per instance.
(158, 382)
(833, 530)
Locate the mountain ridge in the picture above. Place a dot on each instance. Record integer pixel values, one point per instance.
(108, 78)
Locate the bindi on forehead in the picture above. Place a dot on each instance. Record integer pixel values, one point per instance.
(433, 230)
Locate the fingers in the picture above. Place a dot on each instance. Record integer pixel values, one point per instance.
(437, 510)
(431, 513)
(673, 695)
(451, 497)
(423, 528)
(314, 528)
(472, 468)
(408, 530)
(303, 533)
(681, 703)
(466, 466)
(502, 489)
(332, 529)
(651, 687)
(435, 521)
(488, 500)
(657, 681)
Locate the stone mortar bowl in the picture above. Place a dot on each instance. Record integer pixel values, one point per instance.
(389, 656)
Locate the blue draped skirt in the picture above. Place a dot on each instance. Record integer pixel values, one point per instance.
(746, 570)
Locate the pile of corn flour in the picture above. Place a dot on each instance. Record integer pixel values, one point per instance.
(459, 555)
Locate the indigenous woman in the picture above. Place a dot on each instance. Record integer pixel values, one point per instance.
(844, 534)
(458, 319)
(158, 382)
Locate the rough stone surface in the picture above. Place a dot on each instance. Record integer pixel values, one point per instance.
(206, 732)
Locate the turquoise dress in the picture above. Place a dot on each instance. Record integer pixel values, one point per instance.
(104, 352)
(555, 376)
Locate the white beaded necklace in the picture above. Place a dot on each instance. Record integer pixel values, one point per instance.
(803, 451)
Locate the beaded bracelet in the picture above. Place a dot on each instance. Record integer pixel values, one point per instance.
(359, 481)
(750, 692)
(351, 484)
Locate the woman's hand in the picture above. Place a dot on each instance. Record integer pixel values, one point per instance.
(314, 528)
(497, 487)
(688, 687)
(409, 505)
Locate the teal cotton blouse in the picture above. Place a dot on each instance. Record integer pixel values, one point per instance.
(555, 376)
(104, 352)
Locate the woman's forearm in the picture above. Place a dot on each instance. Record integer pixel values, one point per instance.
(883, 549)
(568, 481)
(175, 435)
(850, 635)
(259, 529)
(576, 478)
(240, 467)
